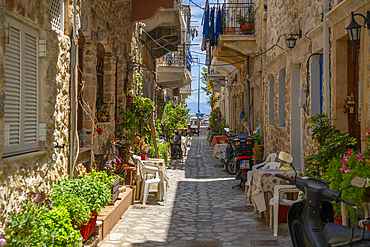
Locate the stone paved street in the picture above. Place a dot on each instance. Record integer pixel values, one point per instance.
(198, 209)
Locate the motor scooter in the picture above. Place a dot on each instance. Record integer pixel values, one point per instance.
(310, 221)
(241, 158)
(176, 150)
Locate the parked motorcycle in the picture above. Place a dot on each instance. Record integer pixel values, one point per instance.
(310, 221)
(240, 159)
(176, 150)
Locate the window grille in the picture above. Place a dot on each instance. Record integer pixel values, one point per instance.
(57, 14)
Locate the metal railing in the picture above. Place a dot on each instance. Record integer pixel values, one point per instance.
(176, 58)
(237, 18)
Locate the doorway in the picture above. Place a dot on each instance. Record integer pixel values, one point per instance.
(296, 120)
(353, 104)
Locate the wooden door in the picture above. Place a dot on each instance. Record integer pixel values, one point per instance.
(353, 91)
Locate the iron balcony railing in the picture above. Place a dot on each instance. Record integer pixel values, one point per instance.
(176, 58)
(236, 18)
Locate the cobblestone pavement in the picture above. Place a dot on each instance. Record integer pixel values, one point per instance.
(198, 210)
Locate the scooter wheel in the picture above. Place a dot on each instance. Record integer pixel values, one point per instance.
(231, 166)
(173, 153)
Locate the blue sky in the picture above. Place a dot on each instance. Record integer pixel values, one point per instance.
(196, 18)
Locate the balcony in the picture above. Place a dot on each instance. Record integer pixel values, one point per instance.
(185, 91)
(217, 81)
(173, 70)
(165, 29)
(237, 37)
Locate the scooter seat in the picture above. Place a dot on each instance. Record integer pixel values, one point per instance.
(336, 234)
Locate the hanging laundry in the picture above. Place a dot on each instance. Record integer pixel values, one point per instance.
(212, 27)
(205, 23)
(218, 28)
(196, 33)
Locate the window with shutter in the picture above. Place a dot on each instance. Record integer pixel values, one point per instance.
(21, 90)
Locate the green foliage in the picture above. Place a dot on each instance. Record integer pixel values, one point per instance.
(216, 122)
(174, 117)
(331, 144)
(162, 149)
(79, 210)
(241, 19)
(258, 139)
(212, 100)
(335, 178)
(93, 193)
(355, 194)
(135, 123)
(37, 225)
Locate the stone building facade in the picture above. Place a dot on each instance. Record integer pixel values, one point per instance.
(36, 81)
(289, 85)
(34, 97)
(35, 87)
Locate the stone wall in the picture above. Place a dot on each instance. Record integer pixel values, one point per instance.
(282, 18)
(38, 169)
(106, 24)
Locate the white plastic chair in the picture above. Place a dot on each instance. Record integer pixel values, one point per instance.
(279, 191)
(272, 165)
(270, 158)
(149, 176)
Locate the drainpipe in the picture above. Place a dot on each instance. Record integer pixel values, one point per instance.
(326, 60)
(73, 96)
(248, 94)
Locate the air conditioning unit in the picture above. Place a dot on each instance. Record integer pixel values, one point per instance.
(176, 98)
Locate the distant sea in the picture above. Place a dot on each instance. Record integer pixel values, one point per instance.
(204, 107)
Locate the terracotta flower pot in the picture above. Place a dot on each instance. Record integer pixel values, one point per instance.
(338, 220)
(246, 26)
(89, 228)
(229, 30)
(257, 151)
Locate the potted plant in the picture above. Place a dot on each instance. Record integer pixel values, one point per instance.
(229, 30)
(41, 220)
(258, 146)
(84, 198)
(334, 176)
(245, 21)
(331, 144)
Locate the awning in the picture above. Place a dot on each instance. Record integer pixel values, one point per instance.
(144, 10)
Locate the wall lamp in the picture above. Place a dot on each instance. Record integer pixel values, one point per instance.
(292, 40)
(354, 29)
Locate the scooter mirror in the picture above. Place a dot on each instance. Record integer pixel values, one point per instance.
(286, 157)
(227, 129)
(358, 182)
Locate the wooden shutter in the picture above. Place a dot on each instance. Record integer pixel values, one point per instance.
(30, 89)
(21, 90)
(12, 89)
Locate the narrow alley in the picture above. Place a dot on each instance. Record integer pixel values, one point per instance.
(202, 210)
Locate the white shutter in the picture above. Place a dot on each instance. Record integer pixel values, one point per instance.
(21, 90)
(30, 89)
(12, 89)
